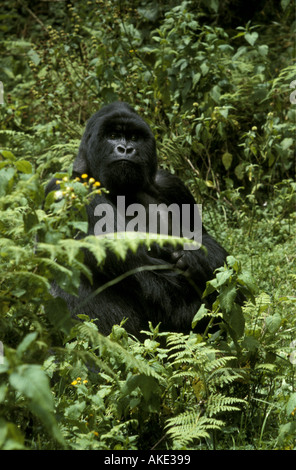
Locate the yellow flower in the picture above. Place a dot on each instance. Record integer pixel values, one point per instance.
(74, 382)
(85, 381)
(84, 175)
(91, 180)
(96, 433)
(97, 183)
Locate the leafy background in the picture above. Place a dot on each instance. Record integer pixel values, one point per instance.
(213, 79)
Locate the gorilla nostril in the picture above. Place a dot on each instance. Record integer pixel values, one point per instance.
(130, 150)
(121, 149)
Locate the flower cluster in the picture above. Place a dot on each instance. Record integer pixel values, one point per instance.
(79, 381)
(67, 189)
(91, 182)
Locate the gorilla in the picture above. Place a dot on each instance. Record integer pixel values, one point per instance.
(118, 149)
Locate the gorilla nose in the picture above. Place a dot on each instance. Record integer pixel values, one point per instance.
(124, 150)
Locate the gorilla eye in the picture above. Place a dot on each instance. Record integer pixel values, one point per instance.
(134, 138)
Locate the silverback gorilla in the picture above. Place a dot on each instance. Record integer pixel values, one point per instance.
(118, 149)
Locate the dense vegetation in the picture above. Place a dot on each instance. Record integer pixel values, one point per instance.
(213, 80)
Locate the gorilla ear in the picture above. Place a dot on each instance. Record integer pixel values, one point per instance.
(80, 165)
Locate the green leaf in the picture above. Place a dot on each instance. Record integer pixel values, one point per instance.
(251, 343)
(286, 143)
(149, 388)
(291, 405)
(8, 155)
(202, 312)
(198, 129)
(227, 297)
(285, 431)
(214, 5)
(34, 56)
(11, 437)
(215, 93)
(237, 320)
(227, 160)
(79, 225)
(251, 38)
(196, 78)
(247, 279)
(6, 175)
(285, 3)
(211, 286)
(224, 111)
(263, 49)
(239, 171)
(24, 166)
(223, 276)
(204, 68)
(25, 344)
(273, 322)
(74, 411)
(31, 381)
(58, 314)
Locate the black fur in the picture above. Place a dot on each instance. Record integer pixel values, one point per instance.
(118, 149)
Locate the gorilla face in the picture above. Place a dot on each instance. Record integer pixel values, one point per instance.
(118, 149)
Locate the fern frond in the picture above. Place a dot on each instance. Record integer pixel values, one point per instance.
(190, 426)
(12, 133)
(218, 403)
(219, 374)
(224, 376)
(113, 349)
(217, 363)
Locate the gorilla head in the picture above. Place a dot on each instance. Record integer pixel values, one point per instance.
(118, 149)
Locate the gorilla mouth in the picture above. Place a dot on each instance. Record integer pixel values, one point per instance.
(122, 160)
(122, 173)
